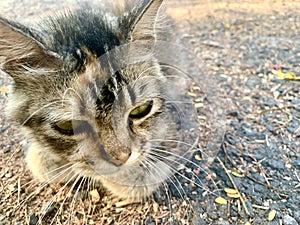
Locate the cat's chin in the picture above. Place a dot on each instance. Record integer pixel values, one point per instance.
(132, 192)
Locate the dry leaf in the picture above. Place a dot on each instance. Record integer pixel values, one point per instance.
(192, 94)
(230, 191)
(198, 105)
(236, 173)
(198, 157)
(95, 195)
(286, 76)
(236, 195)
(272, 215)
(221, 201)
(3, 90)
(198, 100)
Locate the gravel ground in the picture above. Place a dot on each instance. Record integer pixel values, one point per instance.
(233, 49)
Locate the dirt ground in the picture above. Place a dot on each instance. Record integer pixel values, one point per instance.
(246, 56)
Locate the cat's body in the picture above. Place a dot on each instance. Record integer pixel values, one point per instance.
(84, 112)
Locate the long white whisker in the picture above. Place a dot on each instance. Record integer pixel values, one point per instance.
(192, 146)
(81, 184)
(152, 165)
(43, 107)
(44, 184)
(175, 171)
(73, 90)
(67, 195)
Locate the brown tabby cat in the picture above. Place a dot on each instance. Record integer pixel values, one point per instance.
(96, 98)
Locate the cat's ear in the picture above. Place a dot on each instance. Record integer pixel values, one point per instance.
(20, 51)
(143, 27)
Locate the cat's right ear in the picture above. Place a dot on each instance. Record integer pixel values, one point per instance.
(145, 19)
(21, 51)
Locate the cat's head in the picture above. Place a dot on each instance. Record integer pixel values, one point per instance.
(94, 100)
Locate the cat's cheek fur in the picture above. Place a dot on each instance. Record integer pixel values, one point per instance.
(44, 165)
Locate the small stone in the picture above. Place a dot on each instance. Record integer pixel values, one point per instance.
(33, 220)
(233, 113)
(291, 129)
(6, 149)
(11, 187)
(9, 175)
(271, 102)
(149, 221)
(260, 188)
(276, 164)
(197, 220)
(4, 128)
(5, 222)
(95, 195)
(288, 220)
(223, 222)
(297, 215)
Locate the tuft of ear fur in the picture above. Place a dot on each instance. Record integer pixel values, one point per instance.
(20, 51)
(143, 27)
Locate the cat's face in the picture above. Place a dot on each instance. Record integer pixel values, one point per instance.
(111, 117)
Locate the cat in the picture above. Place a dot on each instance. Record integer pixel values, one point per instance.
(94, 99)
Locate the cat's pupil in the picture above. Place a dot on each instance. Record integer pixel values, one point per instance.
(141, 111)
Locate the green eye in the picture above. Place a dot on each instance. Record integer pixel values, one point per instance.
(67, 127)
(141, 111)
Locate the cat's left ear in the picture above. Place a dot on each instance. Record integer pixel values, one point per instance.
(20, 51)
(146, 16)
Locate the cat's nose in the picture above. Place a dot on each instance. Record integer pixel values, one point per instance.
(123, 156)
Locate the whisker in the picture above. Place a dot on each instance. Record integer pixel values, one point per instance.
(43, 107)
(192, 146)
(175, 171)
(179, 189)
(67, 195)
(81, 184)
(44, 184)
(73, 90)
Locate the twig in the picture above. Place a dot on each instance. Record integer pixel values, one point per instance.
(235, 187)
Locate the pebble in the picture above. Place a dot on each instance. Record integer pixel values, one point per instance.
(33, 219)
(271, 102)
(9, 175)
(297, 215)
(6, 149)
(260, 188)
(275, 164)
(271, 128)
(295, 101)
(4, 128)
(199, 221)
(258, 177)
(288, 220)
(5, 222)
(230, 139)
(149, 221)
(296, 163)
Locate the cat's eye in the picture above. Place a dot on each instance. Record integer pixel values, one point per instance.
(67, 127)
(141, 110)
